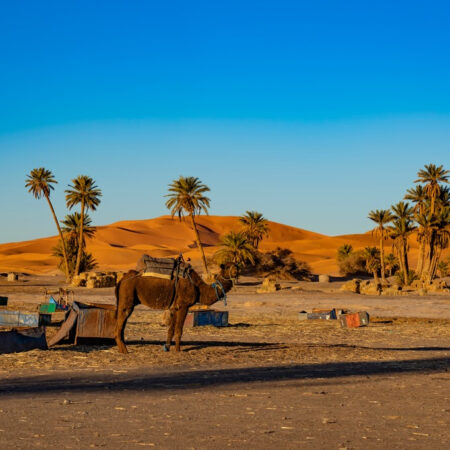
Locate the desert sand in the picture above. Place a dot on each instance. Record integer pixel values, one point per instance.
(267, 380)
(119, 246)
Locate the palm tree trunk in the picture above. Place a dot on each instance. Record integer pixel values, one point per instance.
(429, 252)
(80, 240)
(375, 277)
(419, 266)
(404, 258)
(61, 236)
(383, 274)
(398, 252)
(434, 263)
(405, 253)
(199, 244)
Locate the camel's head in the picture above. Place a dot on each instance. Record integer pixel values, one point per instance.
(227, 272)
(222, 283)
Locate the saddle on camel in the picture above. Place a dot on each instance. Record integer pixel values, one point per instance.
(165, 283)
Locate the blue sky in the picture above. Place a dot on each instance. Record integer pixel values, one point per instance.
(313, 113)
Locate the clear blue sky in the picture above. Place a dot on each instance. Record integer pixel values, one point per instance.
(313, 113)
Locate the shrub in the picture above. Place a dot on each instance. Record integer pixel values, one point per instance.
(352, 264)
(401, 279)
(281, 264)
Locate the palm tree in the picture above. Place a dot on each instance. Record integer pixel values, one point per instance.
(256, 227)
(71, 226)
(186, 196)
(372, 257)
(440, 240)
(236, 249)
(432, 175)
(419, 197)
(443, 267)
(344, 251)
(402, 226)
(87, 194)
(87, 261)
(40, 183)
(381, 217)
(432, 219)
(391, 263)
(424, 220)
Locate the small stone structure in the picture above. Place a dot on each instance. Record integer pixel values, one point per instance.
(97, 279)
(13, 276)
(324, 278)
(269, 285)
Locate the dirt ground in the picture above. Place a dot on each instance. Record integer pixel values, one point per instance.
(267, 380)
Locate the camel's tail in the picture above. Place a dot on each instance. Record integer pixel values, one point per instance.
(116, 291)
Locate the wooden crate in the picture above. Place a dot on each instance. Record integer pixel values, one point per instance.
(95, 321)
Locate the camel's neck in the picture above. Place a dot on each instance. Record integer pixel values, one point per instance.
(209, 294)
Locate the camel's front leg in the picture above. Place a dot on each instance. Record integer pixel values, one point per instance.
(180, 317)
(171, 330)
(123, 312)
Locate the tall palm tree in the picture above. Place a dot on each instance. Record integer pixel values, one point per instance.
(418, 195)
(236, 249)
(256, 227)
(372, 257)
(83, 192)
(432, 175)
(440, 240)
(186, 196)
(424, 237)
(381, 217)
(40, 183)
(402, 226)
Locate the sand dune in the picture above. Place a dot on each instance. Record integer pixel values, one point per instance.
(118, 246)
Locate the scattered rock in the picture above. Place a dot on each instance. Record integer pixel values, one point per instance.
(269, 285)
(392, 290)
(437, 286)
(352, 286)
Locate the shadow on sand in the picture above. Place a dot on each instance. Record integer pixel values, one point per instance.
(151, 381)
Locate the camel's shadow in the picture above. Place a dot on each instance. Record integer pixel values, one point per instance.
(190, 346)
(238, 346)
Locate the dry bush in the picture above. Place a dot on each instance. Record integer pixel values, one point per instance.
(280, 264)
(353, 264)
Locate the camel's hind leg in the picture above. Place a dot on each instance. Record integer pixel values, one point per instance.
(123, 312)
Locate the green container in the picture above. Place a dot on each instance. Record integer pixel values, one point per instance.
(3, 301)
(47, 307)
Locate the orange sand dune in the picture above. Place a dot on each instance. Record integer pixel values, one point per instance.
(118, 246)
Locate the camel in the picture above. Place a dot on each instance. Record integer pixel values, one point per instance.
(159, 293)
